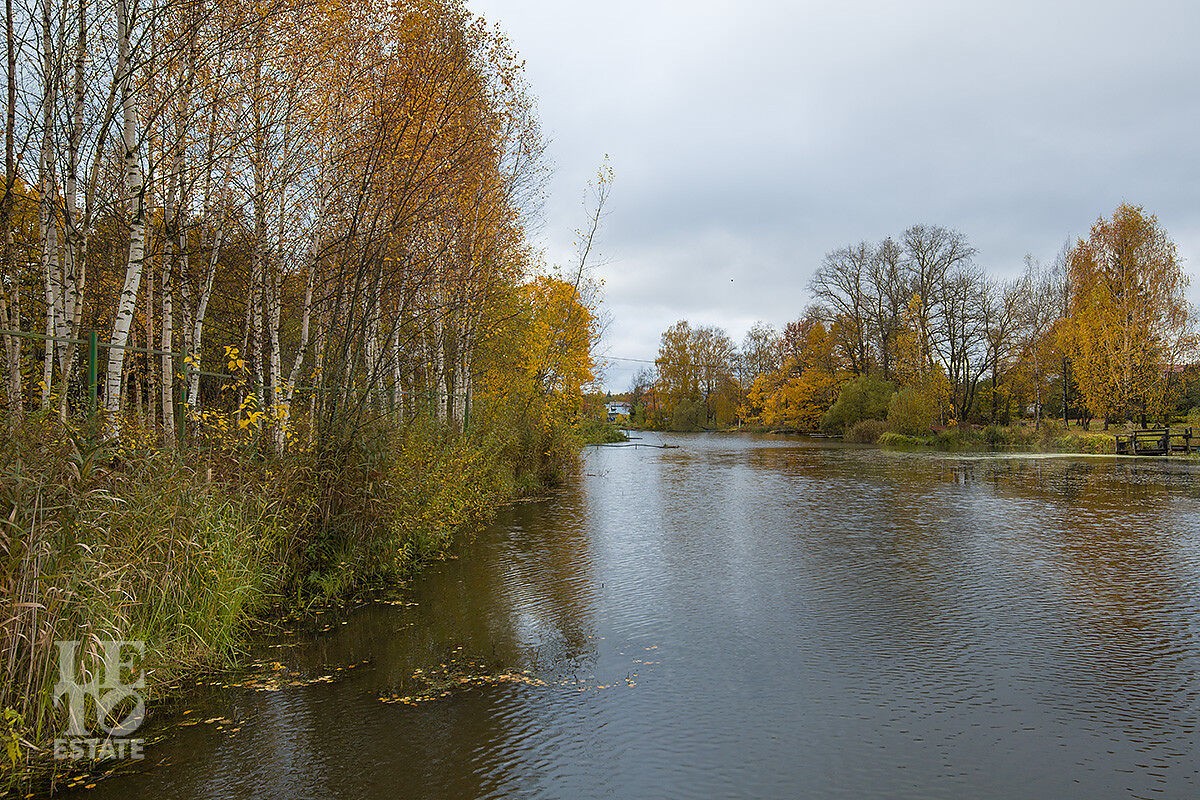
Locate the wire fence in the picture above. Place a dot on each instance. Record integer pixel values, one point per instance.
(91, 362)
(90, 379)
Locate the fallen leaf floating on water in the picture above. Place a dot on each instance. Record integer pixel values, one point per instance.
(441, 682)
(443, 688)
(276, 676)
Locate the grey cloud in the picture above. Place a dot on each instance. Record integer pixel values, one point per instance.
(749, 139)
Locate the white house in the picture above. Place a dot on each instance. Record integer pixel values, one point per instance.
(617, 410)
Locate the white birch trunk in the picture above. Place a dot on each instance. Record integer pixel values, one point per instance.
(168, 360)
(48, 358)
(47, 224)
(10, 304)
(462, 376)
(372, 308)
(151, 379)
(197, 344)
(11, 353)
(256, 323)
(74, 270)
(176, 231)
(399, 390)
(135, 191)
(439, 369)
(305, 323)
(274, 301)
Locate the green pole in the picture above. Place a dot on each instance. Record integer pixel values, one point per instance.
(181, 407)
(93, 356)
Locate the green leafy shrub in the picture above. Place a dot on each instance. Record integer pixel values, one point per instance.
(957, 438)
(688, 415)
(867, 397)
(898, 441)
(866, 431)
(911, 412)
(599, 431)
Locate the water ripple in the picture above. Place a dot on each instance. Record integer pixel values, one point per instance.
(763, 617)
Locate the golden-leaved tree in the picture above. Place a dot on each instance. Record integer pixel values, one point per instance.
(1129, 321)
(799, 393)
(697, 377)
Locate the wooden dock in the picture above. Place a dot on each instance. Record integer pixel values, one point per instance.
(1156, 442)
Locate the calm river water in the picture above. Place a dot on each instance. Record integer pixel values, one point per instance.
(749, 617)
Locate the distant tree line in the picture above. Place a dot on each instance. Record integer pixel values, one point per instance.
(911, 333)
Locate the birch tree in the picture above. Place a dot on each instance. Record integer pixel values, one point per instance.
(135, 191)
(9, 282)
(1130, 319)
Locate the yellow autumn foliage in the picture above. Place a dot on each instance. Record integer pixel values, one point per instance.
(1129, 320)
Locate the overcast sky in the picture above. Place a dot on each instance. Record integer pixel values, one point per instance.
(750, 138)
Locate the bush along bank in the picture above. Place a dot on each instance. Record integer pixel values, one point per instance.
(869, 410)
(185, 549)
(596, 431)
(1050, 438)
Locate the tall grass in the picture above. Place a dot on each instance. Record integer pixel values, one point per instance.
(182, 549)
(102, 543)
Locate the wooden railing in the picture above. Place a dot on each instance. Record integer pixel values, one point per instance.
(1156, 442)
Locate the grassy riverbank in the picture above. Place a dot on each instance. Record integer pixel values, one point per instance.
(184, 550)
(1049, 438)
(595, 431)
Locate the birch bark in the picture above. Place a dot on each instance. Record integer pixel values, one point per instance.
(135, 191)
(10, 303)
